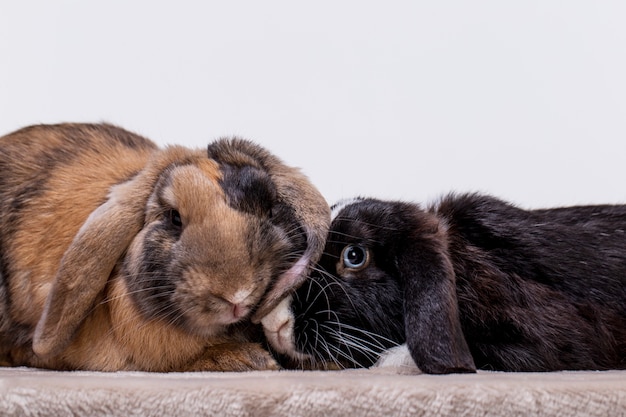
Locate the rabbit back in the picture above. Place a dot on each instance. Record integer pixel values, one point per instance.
(539, 289)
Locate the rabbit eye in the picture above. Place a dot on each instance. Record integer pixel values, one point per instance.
(355, 257)
(174, 217)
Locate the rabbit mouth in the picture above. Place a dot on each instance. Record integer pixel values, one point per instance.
(210, 323)
(330, 330)
(205, 314)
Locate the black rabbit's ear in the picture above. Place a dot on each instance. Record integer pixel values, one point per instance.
(433, 329)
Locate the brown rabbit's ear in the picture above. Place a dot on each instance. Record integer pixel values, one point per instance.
(86, 266)
(313, 214)
(92, 255)
(433, 329)
(289, 280)
(310, 209)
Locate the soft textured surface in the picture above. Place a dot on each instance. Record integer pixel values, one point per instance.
(374, 392)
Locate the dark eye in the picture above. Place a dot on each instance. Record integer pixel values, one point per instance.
(174, 218)
(355, 257)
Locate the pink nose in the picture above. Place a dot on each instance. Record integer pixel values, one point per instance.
(239, 310)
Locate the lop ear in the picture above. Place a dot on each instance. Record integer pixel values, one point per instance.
(432, 325)
(313, 214)
(91, 257)
(85, 268)
(290, 280)
(293, 188)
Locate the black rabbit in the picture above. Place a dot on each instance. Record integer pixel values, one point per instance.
(471, 282)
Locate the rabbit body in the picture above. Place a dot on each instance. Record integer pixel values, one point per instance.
(470, 282)
(118, 255)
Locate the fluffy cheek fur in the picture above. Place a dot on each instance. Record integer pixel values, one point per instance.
(204, 279)
(358, 328)
(148, 271)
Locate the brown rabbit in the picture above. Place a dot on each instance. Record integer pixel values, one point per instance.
(118, 255)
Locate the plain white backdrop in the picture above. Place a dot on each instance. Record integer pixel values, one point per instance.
(393, 99)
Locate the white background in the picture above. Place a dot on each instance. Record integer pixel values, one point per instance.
(405, 100)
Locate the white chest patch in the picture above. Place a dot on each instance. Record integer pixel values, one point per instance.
(398, 358)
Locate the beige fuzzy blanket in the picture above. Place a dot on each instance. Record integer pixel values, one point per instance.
(373, 392)
(368, 392)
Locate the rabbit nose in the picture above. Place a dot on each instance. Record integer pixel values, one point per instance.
(240, 310)
(280, 338)
(281, 327)
(278, 327)
(239, 307)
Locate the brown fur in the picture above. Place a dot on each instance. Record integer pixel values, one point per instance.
(81, 209)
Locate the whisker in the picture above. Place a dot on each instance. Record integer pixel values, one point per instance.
(139, 291)
(361, 345)
(368, 333)
(353, 341)
(346, 356)
(333, 281)
(322, 292)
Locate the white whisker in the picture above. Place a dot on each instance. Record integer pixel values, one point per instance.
(368, 333)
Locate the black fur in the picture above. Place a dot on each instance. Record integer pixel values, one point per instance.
(472, 282)
(248, 189)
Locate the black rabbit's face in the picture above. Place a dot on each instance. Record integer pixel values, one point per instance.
(350, 310)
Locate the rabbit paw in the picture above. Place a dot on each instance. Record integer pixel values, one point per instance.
(235, 357)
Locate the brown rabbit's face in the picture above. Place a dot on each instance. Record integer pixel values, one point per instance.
(200, 261)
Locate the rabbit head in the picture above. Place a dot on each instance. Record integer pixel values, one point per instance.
(384, 271)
